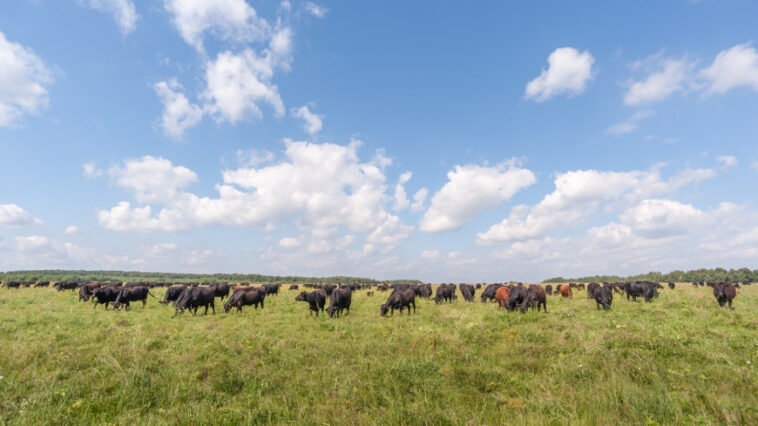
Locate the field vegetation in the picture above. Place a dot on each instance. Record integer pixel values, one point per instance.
(678, 360)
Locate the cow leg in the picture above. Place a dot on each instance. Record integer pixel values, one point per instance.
(414, 308)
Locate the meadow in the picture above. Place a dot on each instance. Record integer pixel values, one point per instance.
(678, 360)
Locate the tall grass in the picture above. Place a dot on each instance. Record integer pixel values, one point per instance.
(680, 359)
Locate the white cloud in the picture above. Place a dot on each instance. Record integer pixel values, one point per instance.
(568, 73)
(470, 190)
(123, 11)
(228, 20)
(732, 68)
(418, 200)
(311, 122)
(23, 81)
(728, 161)
(91, 171)
(315, 9)
(13, 215)
(669, 76)
(430, 254)
(401, 199)
(580, 195)
(253, 157)
(178, 112)
(662, 218)
(32, 242)
(629, 125)
(151, 179)
(289, 242)
(72, 229)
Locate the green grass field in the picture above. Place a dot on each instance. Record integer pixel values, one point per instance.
(680, 359)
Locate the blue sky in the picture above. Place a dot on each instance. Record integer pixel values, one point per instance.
(445, 142)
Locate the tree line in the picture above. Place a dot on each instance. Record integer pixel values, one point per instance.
(126, 276)
(696, 275)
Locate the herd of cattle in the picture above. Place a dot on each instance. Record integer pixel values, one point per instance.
(512, 297)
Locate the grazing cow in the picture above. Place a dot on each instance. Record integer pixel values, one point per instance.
(445, 293)
(329, 288)
(423, 290)
(725, 293)
(489, 292)
(591, 289)
(244, 297)
(316, 300)
(66, 285)
(549, 290)
(220, 290)
(293, 287)
(272, 288)
(105, 295)
(603, 297)
(42, 284)
(85, 290)
(12, 284)
(565, 291)
(369, 293)
(478, 286)
(467, 291)
(640, 288)
(516, 298)
(132, 294)
(173, 293)
(195, 297)
(399, 299)
(338, 301)
(501, 295)
(671, 286)
(535, 295)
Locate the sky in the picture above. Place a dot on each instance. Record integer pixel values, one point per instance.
(443, 141)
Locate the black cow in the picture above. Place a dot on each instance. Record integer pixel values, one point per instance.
(272, 288)
(725, 293)
(603, 297)
(445, 293)
(399, 299)
(423, 290)
(293, 287)
(467, 291)
(195, 297)
(220, 290)
(85, 290)
(132, 294)
(535, 295)
(640, 288)
(489, 292)
(42, 284)
(66, 285)
(516, 297)
(12, 284)
(173, 293)
(591, 289)
(246, 297)
(549, 290)
(672, 285)
(316, 300)
(339, 300)
(105, 295)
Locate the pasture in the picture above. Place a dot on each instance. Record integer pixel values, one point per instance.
(680, 359)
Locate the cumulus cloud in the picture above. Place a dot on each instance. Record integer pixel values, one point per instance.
(631, 124)
(580, 195)
(23, 82)
(418, 200)
(662, 218)
(470, 190)
(14, 216)
(401, 199)
(289, 242)
(311, 122)
(91, 171)
(72, 229)
(568, 73)
(667, 77)
(179, 113)
(123, 12)
(733, 68)
(320, 187)
(315, 10)
(253, 157)
(727, 161)
(32, 242)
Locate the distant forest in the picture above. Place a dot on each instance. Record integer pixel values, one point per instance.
(126, 276)
(696, 275)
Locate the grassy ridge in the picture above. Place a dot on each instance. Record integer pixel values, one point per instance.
(680, 359)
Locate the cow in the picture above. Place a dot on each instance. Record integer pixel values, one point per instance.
(671, 286)
(467, 291)
(445, 293)
(549, 290)
(423, 290)
(293, 287)
(339, 300)
(535, 295)
(516, 298)
(591, 289)
(272, 288)
(724, 293)
(220, 290)
(316, 300)
(12, 284)
(85, 290)
(66, 285)
(501, 295)
(132, 294)
(195, 297)
(489, 292)
(173, 293)
(42, 284)
(245, 297)
(565, 291)
(640, 288)
(105, 295)
(603, 297)
(399, 299)
(329, 288)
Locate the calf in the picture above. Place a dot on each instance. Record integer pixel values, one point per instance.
(316, 300)
(173, 293)
(251, 296)
(132, 294)
(399, 299)
(725, 293)
(603, 297)
(339, 300)
(489, 292)
(194, 298)
(501, 295)
(535, 295)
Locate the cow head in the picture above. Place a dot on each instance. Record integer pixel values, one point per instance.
(300, 297)
(383, 310)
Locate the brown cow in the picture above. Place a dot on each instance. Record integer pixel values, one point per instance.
(565, 291)
(501, 295)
